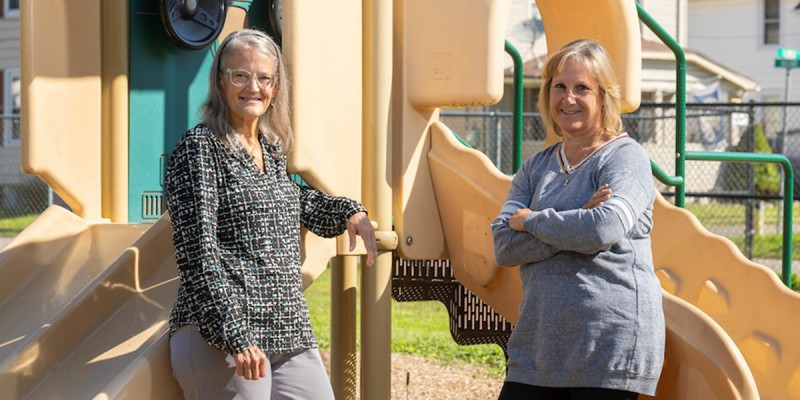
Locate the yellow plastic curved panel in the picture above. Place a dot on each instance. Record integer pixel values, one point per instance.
(701, 360)
(612, 23)
(326, 106)
(322, 45)
(469, 193)
(455, 52)
(744, 298)
(447, 53)
(60, 62)
(95, 296)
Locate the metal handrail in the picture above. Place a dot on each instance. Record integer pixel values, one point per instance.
(788, 190)
(680, 102)
(518, 106)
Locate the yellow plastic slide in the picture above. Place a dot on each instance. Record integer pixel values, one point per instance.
(84, 310)
(729, 322)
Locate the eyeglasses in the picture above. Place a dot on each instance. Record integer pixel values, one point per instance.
(241, 78)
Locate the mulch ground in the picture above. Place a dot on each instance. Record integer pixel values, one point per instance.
(420, 378)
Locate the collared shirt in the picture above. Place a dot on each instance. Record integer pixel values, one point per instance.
(236, 232)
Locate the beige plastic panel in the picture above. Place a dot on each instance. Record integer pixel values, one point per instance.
(470, 192)
(455, 52)
(447, 53)
(322, 44)
(87, 313)
(612, 23)
(701, 360)
(746, 299)
(61, 99)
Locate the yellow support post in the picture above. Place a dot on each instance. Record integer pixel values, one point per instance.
(114, 100)
(344, 273)
(376, 301)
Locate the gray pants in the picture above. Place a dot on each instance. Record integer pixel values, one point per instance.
(204, 372)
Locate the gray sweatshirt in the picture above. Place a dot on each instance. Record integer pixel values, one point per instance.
(591, 311)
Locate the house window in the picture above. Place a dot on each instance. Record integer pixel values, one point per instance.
(11, 107)
(772, 21)
(10, 9)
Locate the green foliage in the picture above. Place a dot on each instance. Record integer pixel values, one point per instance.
(768, 245)
(10, 226)
(767, 177)
(795, 285)
(419, 328)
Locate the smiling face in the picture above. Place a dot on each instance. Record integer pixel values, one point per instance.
(246, 104)
(576, 101)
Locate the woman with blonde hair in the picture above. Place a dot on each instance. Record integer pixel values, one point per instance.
(577, 221)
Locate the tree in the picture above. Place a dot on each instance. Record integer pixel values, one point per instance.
(767, 177)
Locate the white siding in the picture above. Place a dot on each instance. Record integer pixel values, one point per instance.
(671, 15)
(521, 32)
(730, 31)
(9, 43)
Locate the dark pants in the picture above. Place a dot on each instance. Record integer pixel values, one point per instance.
(521, 391)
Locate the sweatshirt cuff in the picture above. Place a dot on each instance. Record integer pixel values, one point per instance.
(530, 222)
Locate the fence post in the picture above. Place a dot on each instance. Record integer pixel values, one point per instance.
(499, 141)
(751, 184)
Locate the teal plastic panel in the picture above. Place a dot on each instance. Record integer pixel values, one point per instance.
(167, 86)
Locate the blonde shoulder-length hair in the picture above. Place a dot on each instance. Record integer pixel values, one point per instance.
(596, 60)
(276, 123)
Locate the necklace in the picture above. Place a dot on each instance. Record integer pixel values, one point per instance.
(568, 169)
(250, 151)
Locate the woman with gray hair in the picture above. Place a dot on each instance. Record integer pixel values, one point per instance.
(577, 221)
(240, 327)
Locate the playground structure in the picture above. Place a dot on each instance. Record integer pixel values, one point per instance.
(85, 295)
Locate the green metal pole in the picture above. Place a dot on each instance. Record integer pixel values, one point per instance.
(518, 96)
(680, 100)
(788, 190)
(663, 177)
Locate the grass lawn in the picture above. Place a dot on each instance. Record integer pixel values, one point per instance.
(420, 328)
(768, 246)
(10, 226)
(734, 214)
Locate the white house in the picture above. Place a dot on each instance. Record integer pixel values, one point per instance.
(746, 35)
(14, 184)
(704, 73)
(9, 66)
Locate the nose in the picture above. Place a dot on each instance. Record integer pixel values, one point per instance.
(252, 84)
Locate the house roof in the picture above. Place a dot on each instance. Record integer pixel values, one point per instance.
(656, 51)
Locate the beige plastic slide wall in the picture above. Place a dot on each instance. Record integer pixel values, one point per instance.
(85, 308)
(60, 63)
(447, 53)
(746, 299)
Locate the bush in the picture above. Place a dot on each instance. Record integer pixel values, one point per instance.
(767, 178)
(795, 281)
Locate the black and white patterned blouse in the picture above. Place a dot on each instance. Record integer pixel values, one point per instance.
(236, 233)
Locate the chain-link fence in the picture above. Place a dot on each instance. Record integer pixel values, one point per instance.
(740, 201)
(22, 197)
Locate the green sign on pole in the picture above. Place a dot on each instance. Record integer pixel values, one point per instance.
(787, 58)
(789, 54)
(782, 63)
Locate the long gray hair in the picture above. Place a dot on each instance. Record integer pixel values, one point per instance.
(276, 123)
